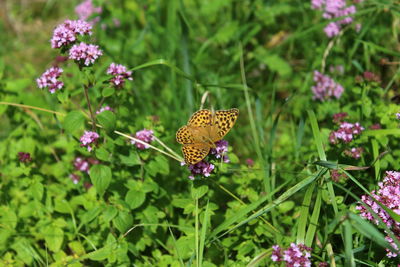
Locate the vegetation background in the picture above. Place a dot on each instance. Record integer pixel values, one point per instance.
(258, 56)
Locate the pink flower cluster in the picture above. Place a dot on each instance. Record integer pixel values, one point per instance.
(203, 168)
(24, 157)
(334, 9)
(220, 150)
(325, 87)
(66, 33)
(144, 135)
(296, 255)
(85, 54)
(104, 109)
(346, 132)
(82, 165)
(389, 195)
(339, 117)
(354, 152)
(86, 9)
(50, 80)
(89, 138)
(120, 73)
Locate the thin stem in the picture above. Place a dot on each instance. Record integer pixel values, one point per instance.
(166, 147)
(31, 107)
(86, 90)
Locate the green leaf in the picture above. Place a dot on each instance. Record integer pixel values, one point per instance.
(100, 176)
(107, 119)
(73, 121)
(199, 192)
(135, 198)
(102, 154)
(54, 237)
(37, 190)
(100, 254)
(123, 221)
(62, 206)
(110, 213)
(131, 160)
(108, 91)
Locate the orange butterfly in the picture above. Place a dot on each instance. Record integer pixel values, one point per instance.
(202, 130)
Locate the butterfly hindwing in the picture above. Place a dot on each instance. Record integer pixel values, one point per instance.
(193, 153)
(224, 120)
(201, 118)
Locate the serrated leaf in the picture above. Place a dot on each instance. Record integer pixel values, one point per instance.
(123, 221)
(54, 237)
(100, 176)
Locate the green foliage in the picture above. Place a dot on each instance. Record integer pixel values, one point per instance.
(131, 206)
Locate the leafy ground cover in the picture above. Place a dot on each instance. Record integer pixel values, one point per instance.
(92, 94)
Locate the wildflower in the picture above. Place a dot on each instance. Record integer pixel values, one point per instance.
(89, 138)
(337, 176)
(120, 73)
(338, 117)
(339, 69)
(144, 135)
(24, 157)
(203, 168)
(346, 132)
(220, 150)
(375, 126)
(66, 33)
(325, 87)
(296, 255)
(323, 264)
(87, 185)
(103, 109)
(86, 9)
(250, 162)
(335, 9)
(354, 152)
(371, 77)
(390, 253)
(75, 178)
(388, 194)
(84, 53)
(50, 80)
(81, 164)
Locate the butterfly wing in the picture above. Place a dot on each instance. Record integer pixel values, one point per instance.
(224, 121)
(193, 153)
(184, 136)
(201, 118)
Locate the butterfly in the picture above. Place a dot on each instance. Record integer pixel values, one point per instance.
(203, 129)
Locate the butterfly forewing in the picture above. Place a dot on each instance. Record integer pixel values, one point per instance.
(201, 118)
(224, 120)
(193, 153)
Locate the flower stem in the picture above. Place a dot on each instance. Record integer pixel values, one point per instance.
(86, 90)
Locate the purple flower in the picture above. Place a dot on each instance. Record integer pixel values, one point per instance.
(325, 87)
(250, 162)
(24, 157)
(75, 178)
(332, 29)
(375, 126)
(89, 138)
(144, 135)
(388, 194)
(49, 79)
(120, 73)
(103, 109)
(338, 117)
(81, 164)
(220, 150)
(346, 132)
(296, 255)
(337, 176)
(86, 9)
(201, 168)
(354, 152)
(398, 115)
(66, 33)
(334, 9)
(85, 54)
